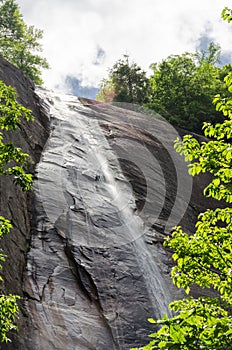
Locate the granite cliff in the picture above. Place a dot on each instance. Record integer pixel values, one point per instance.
(86, 252)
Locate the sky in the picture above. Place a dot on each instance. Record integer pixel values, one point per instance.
(84, 38)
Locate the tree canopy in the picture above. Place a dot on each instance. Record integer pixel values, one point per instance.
(127, 82)
(19, 43)
(12, 162)
(183, 87)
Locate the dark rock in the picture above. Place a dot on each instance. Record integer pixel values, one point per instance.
(15, 204)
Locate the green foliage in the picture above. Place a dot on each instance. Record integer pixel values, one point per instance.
(211, 55)
(12, 159)
(8, 312)
(183, 87)
(10, 110)
(204, 259)
(12, 162)
(127, 83)
(19, 43)
(214, 156)
(227, 14)
(107, 92)
(5, 227)
(199, 324)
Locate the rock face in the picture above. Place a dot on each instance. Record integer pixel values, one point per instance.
(86, 253)
(15, 204)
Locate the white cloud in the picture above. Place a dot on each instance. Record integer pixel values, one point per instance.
(147, 30)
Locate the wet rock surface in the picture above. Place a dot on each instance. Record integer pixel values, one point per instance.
(108, 188)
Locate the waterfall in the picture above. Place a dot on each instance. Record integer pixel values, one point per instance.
(87, 206)
(135, 228)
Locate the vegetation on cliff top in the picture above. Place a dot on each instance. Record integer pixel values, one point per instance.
(181, 87)
(19, 43)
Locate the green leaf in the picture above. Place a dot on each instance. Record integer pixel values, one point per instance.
(151, 320)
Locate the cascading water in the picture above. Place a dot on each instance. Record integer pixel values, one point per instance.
(134, 228)
(88, 251)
